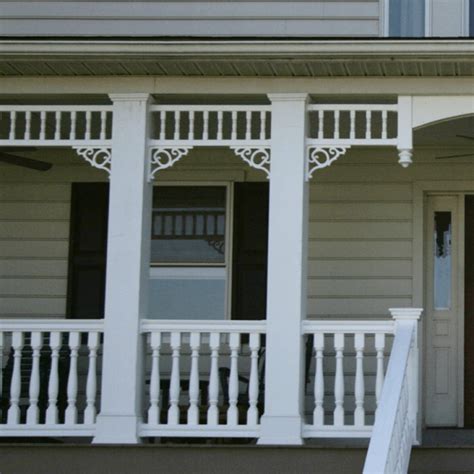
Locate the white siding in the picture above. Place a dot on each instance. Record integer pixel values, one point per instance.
(191, 18)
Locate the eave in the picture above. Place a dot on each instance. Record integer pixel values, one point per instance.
(236, 57)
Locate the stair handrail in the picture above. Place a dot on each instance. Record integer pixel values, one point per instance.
(395, 428)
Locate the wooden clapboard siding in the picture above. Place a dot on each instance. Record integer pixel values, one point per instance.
(178, 18)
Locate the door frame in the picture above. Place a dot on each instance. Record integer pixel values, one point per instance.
(421, 190)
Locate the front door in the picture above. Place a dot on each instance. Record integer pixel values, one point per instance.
(443, 318)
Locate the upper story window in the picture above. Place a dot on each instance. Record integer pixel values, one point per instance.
(429, 18)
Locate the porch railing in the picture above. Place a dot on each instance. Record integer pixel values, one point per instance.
(50, 377)
(394, 431)
(204, 378)
(345, 370)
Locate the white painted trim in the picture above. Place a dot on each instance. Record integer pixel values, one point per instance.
(191, 325)
(384, 21)
(46, 325)
(466, 18)
(428, 18)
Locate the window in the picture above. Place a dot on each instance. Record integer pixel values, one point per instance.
(442, 260)
(406, 18)
(471, 18)
(188, 276)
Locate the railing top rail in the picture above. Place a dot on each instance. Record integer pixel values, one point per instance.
(151, 325)
(55, 108)
(355, 107)
(62, 325)
(349, 326)
(210, 108)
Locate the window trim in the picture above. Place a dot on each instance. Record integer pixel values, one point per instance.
(229, 229)
(385, 19)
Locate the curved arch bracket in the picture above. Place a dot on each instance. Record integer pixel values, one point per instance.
(256, 157)
(98, 157)
(320, 157)
(163, 157)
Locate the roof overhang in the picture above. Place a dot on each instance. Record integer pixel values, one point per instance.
(236, 57)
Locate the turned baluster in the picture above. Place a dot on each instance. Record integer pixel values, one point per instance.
(163, 125)
(103, 124)
(318, 414)
(320, 124)
(359, 388)
(15, 386)
(234, 125)
(91, 384)
(57, 125)
(353, 124)
(336, 123)
(27, 125)
(205, 133)
(248, 121)
(339, 380)
(193, 410)
(379, 347)
(72, 131)
(263, 125)
(177, 124)
(32, 414)
(384, 124)
(252, 413)
(368, 124)
(53, 386)
(233, 412)
(88, 125)
(42, 134)
(71, 410)
(154, 409)
(219, 124)
(173, 411)
(191, 125)
(12, 133)
(213, 411)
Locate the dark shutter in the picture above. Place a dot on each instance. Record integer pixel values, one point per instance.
(87, 250)
(250, 242)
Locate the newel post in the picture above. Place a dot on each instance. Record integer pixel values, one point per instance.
(128, 257)
(287, 260)
(412, 316)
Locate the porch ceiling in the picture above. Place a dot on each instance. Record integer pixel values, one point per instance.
(259, 58)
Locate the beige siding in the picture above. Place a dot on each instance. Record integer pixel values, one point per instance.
(195, 18)
(360, 230)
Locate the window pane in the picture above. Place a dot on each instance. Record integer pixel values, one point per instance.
(188, 224)
(471, 18)
(187, 293)
(442, 260)
(407, 18)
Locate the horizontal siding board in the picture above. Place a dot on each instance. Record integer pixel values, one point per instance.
(360, 287)
(34, 210)
(360, 268)
(31, 248)
(360, 249)
(26, 307)
(360, 230)
(36, 286)
(361, 211)
(34, 192)
(347, 307)
(33, 268)
(360, 192)
(40, 230)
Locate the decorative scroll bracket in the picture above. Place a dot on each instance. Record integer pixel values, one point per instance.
(320, 157)
(99, 157)
(256, 157)
(163, 157)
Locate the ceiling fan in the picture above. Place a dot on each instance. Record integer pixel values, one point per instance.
(446, 157)
(6, 156)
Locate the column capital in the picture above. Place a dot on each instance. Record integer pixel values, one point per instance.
(131, 97)
(288, 97)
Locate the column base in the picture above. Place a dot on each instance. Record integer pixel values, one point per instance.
(116, 429)
(280, 430)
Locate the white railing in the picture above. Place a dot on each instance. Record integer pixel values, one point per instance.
(204, 378)
(394, 431)
(54, 125)
(352, 124)
(344, 375)
(50, 371)
(210, 125)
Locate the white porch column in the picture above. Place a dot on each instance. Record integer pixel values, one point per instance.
(287, 262)
(128, 257)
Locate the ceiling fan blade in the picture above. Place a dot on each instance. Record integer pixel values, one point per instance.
(453, 156)
(465, 136)
(25, 162)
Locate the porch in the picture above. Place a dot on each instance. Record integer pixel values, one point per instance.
(297, 374)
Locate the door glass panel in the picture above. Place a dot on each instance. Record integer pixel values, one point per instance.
(442, 260)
